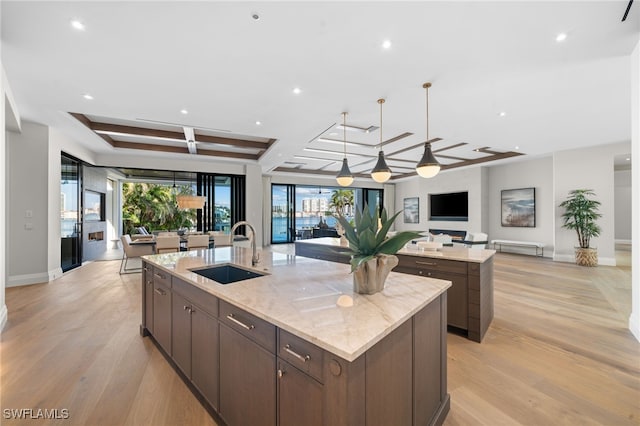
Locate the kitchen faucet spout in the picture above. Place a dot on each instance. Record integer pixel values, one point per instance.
(254, 255)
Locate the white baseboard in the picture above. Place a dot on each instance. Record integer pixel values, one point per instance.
(634, 324)
(55, 274)
(27, 279)
(3, 317)
(570, 258)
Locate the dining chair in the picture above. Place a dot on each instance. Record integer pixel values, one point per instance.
(130, 251)
(197, 242)
(167, 243)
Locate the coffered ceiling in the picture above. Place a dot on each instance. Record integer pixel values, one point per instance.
(139, 75)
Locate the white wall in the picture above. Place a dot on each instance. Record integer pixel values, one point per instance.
(27, 176)
(253, 185)
(622, 199)
(634, 318)
(536, 173)
(470, 180)
(587, 168)
(3, 195)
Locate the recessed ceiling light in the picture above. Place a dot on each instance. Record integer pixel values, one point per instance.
(87, 96)
(255, 16)
(258, 123)
(517, 148)
(333, 134)
(386, 44)
(561, 37)
(78, 25)
(502, 114)
(184, 111)
(296, 91)
(628, 159)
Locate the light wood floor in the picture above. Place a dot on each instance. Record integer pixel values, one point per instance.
(558, 352)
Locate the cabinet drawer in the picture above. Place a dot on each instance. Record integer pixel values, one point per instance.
(300, 353)
(204, 300)
(430, 263)
(161, 277)
(249, 325)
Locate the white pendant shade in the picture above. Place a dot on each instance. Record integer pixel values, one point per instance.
(428, 171)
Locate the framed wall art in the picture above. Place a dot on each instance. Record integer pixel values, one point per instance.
(519, 207)
(411, 211)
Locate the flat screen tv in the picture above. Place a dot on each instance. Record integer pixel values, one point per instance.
(451, 206)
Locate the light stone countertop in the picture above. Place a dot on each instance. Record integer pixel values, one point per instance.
(450, 253)
(308, 297)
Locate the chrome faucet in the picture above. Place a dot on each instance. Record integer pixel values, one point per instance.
(254, 258)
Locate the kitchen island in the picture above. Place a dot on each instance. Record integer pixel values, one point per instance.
(296, 345)
(470, 270)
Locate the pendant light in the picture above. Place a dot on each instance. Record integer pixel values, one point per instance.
(190, 201)
(174, 188)
(344, 178)
(428, 166)
(381, 172)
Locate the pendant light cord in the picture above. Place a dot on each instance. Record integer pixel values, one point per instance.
(380, 101)
(344, 132)
(427, 87)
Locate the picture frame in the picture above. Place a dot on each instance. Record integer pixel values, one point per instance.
(411, 212)
(518, 207)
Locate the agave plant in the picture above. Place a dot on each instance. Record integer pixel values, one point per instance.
(366, 241)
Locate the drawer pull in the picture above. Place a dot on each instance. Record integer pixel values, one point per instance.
(426, 263)
(160, 292)
(240, 323)
(303, 358)
(159, 276)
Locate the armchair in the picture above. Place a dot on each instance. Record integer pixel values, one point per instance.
(130, 251)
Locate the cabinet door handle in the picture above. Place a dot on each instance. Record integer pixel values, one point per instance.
(303, 358)
(186, 308)
(160, 292)
(145, 269)
(240, 323)
(159, 276)
(280, 373)
(426, 263)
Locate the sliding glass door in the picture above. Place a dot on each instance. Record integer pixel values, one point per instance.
(70, 208)
(282, 214)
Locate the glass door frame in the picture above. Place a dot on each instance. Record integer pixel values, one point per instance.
(71, 245)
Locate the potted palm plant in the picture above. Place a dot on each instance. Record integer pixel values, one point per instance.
(580, 214)
(372, 253)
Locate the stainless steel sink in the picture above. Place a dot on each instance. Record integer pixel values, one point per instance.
(227, 274)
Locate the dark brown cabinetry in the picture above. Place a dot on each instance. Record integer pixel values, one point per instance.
(250, 372)
(247, 368)
(181, 333)
(247, 380)
(449, 270)
(162, 315)
(322, 252)
(300, 372)
(469, 299)
(293, 410)
(195, 337)
(147, 295)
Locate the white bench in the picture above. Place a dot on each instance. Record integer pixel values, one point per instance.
(537, 246)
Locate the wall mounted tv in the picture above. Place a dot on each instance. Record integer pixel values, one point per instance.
(451, 206)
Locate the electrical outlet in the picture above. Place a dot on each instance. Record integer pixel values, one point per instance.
(28, 213)
(28, 226)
